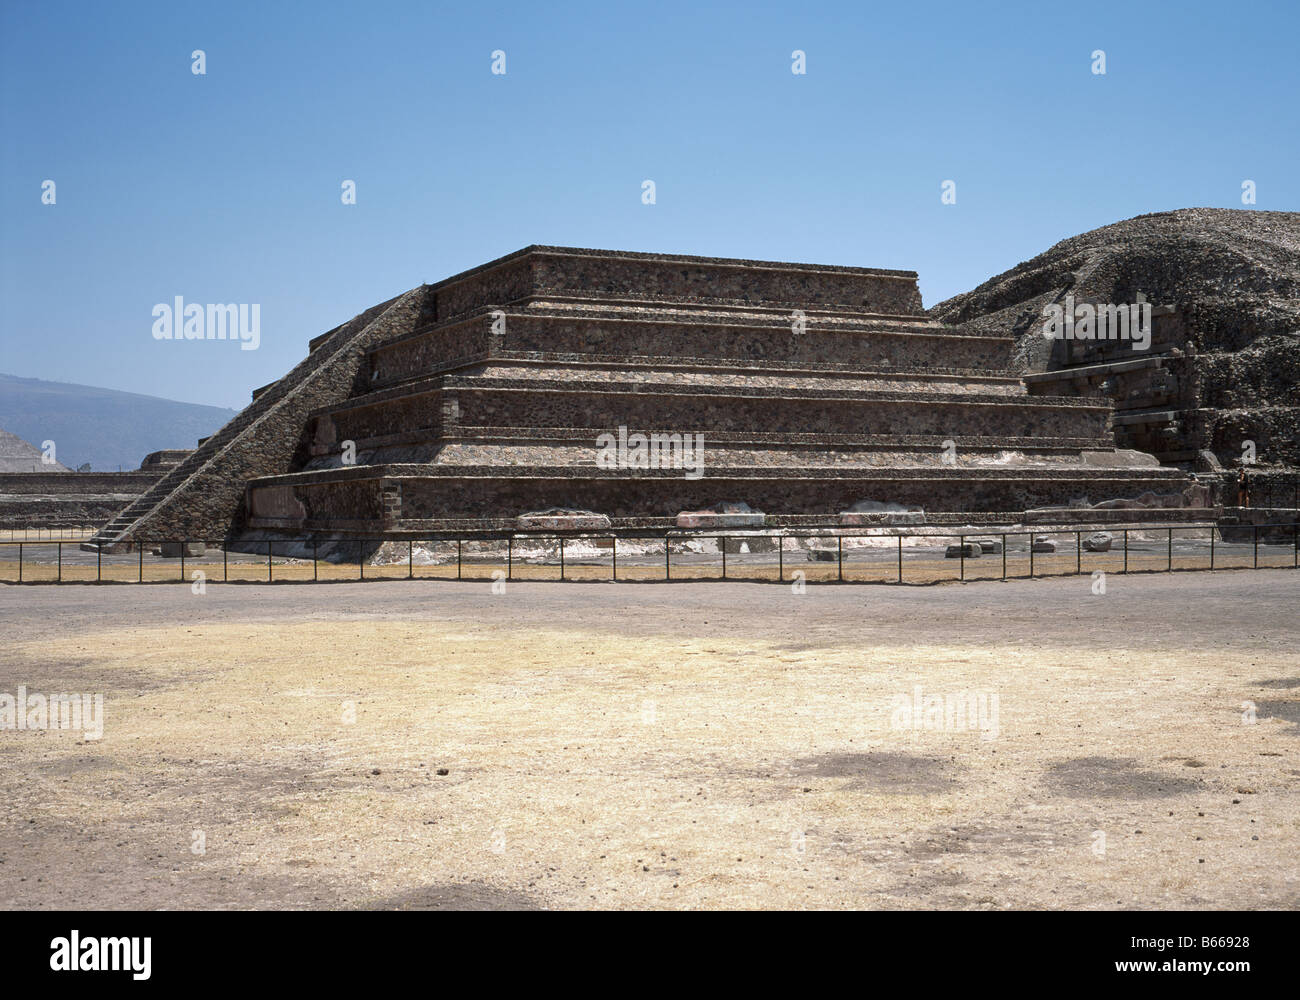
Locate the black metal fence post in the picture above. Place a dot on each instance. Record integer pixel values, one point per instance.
(1211, 546)
(1078, 552)
(59, 577)
(613, 552)
(668, 568)
(510, 558)
(961, 557)
(561, 557)
(780, 558)
(723, 542)
(99, 563)
(1004, 555)
(839, 544)
(900, 558)
(458, 558)
(1031, 555)
(183, 560)
(1126, 550)
(20, 565)
(269, 573)
(410, 559)
(1256, 562)
(139, 552)
(1169, 566)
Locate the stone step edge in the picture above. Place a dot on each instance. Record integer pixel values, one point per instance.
(596, 253)
(758, 368)
(666, 311)
(474, 383)
(1102, 441)
(1080, 473)
(880, 324)
(757, 365)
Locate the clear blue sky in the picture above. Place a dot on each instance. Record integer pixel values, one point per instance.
(226, 187)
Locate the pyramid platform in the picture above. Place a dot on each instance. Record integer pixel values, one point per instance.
(814, 390)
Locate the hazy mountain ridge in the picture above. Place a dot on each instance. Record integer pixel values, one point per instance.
(106, 427)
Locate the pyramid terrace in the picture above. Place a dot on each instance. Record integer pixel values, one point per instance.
(822, 395)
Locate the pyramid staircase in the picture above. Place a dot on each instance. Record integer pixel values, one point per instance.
(201, 496)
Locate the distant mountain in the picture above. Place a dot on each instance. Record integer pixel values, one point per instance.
(104, 427)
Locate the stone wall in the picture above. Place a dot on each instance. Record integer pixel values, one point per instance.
(66, 499)
(594, 405)
(560, 272)
(397, 498)
(443, 346)
(632, 334)
(1177, 404)
(82, 483)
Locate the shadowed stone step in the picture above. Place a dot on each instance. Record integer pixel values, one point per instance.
(865, 342)
(523, 403)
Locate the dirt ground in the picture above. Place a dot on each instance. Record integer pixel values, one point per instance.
(428, 744)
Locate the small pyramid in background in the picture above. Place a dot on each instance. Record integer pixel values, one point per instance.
(17, 455)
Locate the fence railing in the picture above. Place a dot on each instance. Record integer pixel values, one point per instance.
(924, 556)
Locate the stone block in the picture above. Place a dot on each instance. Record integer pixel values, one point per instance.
(747, 544)
(1098, 542)
(561, 520)
(722, 515)
(851, 518)
(172, 550)
(1120, 458)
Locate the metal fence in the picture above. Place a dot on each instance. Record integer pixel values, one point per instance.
(924, 556)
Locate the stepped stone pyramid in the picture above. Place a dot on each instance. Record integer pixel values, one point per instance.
(17, 455)
(479, 399)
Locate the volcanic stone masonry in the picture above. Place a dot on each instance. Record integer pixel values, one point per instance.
(821, 392)
(1218, 390)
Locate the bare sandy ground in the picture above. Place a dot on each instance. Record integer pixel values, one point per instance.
(423, 744)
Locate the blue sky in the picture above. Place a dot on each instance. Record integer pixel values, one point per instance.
(226, 187)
